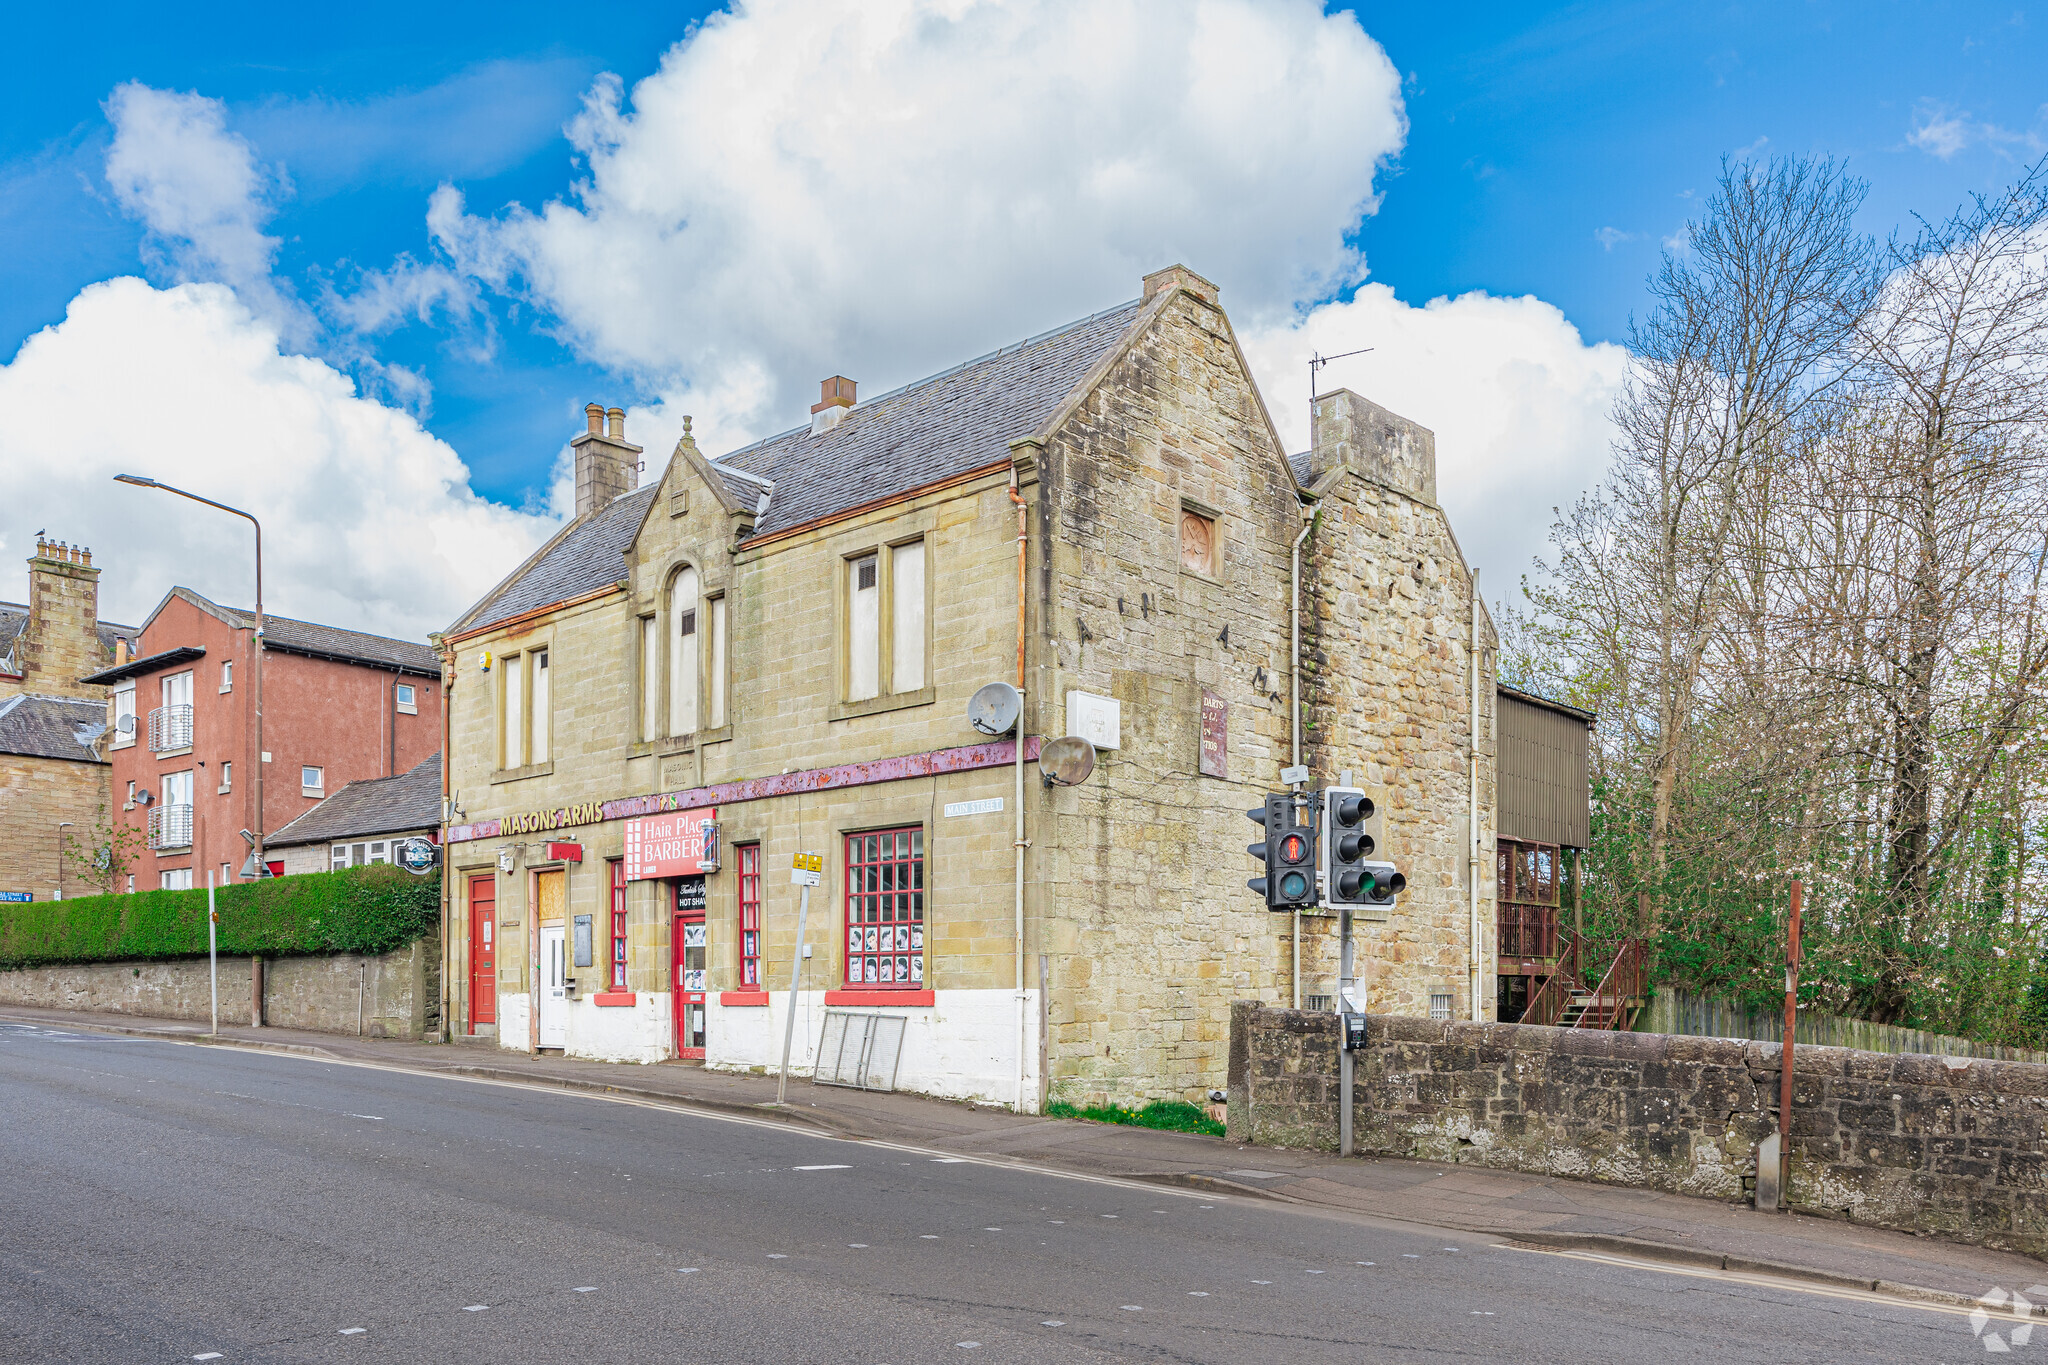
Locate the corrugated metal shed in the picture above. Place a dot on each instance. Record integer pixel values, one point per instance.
(1545, 793)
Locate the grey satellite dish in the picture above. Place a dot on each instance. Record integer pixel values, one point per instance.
(993, 710)
(1066, 762)
(126, 725)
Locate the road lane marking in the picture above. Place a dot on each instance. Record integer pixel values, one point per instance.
(1134, 1308)
(778, 1256)
(967, 1345)
(476, 1308)
(858, 1246)
(586, 1289)
(1198, 1293)
(821, 1168)
(1749, 1281)
(1052, 1322)
(680, 1105)
(351, 1331)
(686, 1270)
(207, 1355)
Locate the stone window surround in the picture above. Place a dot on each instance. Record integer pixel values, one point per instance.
(709, 587)
(541, 641)
(849, 550)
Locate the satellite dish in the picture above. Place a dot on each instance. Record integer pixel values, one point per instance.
(993, 710)
(126, 724)
(1066, 762)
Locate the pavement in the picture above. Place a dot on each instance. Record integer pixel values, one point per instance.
(1533, 1211)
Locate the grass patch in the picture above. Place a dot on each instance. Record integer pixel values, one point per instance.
(1176, 1116)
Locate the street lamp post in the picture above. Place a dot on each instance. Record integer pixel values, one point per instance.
(256, 663)
(62, 825)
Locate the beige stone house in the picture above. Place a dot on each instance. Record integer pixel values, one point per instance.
(772, 653)
(54, 789)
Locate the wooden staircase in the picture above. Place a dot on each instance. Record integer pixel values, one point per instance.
(1613, 1004)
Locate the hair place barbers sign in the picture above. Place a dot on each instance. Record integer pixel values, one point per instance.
(680, 843)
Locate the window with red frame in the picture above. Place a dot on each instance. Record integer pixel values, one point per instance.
(618, 872)
(750, 916)
(885, 909)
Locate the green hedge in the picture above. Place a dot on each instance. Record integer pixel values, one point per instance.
(372, 909)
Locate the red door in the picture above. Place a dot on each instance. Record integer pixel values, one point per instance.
(483, 951)
(686, 942)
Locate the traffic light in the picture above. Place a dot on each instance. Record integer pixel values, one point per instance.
(1289, 854)
(1354, 875)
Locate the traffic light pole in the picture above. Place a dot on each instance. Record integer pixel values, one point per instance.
(1345, 1056)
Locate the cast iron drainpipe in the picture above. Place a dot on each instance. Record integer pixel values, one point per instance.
(1022, 843)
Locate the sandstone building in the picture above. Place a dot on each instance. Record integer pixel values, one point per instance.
(772, 653)
(53, 767)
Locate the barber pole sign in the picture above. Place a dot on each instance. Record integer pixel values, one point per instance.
(680, 843)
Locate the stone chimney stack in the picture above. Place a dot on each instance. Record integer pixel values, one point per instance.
(1379, 446)
(61, 642)
(606, 465)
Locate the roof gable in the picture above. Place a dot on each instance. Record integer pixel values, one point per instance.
(584, 556)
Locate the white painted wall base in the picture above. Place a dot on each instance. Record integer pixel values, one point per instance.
(640, 1032)
(963, 1046)
(515, 1032)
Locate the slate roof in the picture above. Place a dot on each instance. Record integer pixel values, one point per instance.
(961, 419)
(283, 634)
(14, 620)
(51, 727)
(584, 556)
(378, 805)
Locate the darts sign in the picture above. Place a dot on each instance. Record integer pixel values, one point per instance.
(681, 843)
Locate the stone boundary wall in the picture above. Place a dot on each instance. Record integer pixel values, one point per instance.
(399, 991)
(1943, 1146)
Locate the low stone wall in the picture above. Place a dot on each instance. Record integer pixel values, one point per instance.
(1946, 1146)
(397, 995)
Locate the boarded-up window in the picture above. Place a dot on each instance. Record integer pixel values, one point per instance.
(863, 634)
(682, 654)
(906, 608)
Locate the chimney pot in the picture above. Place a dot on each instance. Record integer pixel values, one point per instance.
(594, 415)
(615, 419)
(836, 392)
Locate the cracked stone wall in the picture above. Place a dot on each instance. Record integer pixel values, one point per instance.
(1940, 1146)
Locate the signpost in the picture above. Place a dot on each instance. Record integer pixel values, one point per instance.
(212, 952)
(806, 870)
(16, 897)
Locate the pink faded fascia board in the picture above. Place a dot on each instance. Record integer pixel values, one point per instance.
(931, 763)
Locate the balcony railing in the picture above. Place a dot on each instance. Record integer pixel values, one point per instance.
(170, 827)
(170, 727)
(1527, 931)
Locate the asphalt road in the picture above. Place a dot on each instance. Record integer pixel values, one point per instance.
(165, 1202)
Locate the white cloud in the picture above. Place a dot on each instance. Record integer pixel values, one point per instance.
(1940, 132)
(1517, 399)
(885, 187)
(1608, 237)
(199, 192)
(369, 521)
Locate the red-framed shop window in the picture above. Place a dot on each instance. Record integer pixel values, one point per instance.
(618, 875)
(885, 909)
(750, 916)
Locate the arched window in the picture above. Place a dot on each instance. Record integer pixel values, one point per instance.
(682, 653)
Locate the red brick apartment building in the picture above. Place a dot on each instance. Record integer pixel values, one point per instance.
(338, 706)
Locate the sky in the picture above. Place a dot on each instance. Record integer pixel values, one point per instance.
(361, 277)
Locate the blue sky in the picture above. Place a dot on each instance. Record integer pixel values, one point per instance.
(1548, 152)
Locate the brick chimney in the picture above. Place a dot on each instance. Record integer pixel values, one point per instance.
(61, 642)
(606, 465)
(835, 396)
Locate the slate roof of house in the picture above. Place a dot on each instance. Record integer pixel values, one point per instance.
(14, 620)
(51, 727)
(378, 805)
(960, 419)
(584, 556)
(288, 636)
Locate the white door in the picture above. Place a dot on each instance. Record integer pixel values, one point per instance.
(554, 994)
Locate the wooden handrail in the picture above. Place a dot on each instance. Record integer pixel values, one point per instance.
(1616, 998)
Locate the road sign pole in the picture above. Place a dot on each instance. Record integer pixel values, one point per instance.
(212, 951)
(805, 873)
